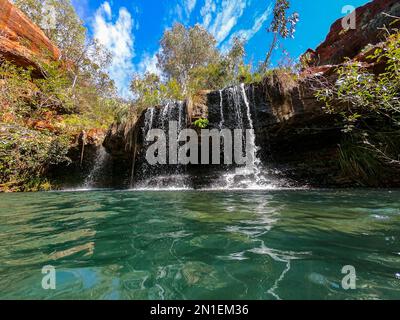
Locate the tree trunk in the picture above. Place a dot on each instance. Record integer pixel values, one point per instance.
(271, 50)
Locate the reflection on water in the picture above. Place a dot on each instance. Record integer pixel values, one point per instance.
(277, 244)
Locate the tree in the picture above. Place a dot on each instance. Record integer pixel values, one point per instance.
(184, 49)
(236, 55)
(60, 23)
(191, 63)
(282, 25)
(85, 57)
(149, 90)
(78, 83)
(146, 89)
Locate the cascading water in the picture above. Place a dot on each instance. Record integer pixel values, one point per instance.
(148, 125)
(255, 163)
(149, 119)
(162, 176)
(221, 105)
(249, 176)
(96, 175)
(233, 110)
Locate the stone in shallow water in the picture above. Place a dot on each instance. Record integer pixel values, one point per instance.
(321, 280)
(200, 274)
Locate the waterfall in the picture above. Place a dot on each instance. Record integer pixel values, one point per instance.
(232, 109)
(182, 124)
(165, 117)
(97, 173)
(162, 176)
(221, 105)
(182, 119)
(148, 121)
(148, 125)
(250, 176)
(238, 108)
(255, 164)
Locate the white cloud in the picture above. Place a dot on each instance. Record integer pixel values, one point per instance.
(107, 9)
(148, 63)
(220, 19)
(190, 5)
(207, 12)
(178, 12)
(247, 34)
(181, 11)
(119, 39)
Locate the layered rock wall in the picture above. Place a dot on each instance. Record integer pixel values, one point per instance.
(21, 41)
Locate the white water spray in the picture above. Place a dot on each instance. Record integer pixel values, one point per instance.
(100, 162)
(221, 105)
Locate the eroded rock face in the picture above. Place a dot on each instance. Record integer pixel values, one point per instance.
(294, 134)
(341, 44)
(21, 41)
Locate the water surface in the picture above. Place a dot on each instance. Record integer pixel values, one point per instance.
(277, 244)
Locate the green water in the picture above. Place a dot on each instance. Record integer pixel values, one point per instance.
(200, 245)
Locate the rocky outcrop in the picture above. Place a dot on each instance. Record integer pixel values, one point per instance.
(341, 44)
(24, 44)
(295, 136)
(21, 41)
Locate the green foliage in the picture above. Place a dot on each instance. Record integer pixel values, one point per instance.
(201, 123)
(21, 94)
(25, 97)
(369, 106)
(84, 58)
(76, 85)
(25, 155)
(246, 75)
(40, 117)
(191, 63)
(54, 90)
(15, 88)
(358, 93)
(305, 60)
(359, 163)
(183, 49)
(60, 23)
(149, 90)
(226, 71)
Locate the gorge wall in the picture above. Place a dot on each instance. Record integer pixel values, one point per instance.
(296, 141)
(370, 21)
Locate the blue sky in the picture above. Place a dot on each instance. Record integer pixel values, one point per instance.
(131, 29)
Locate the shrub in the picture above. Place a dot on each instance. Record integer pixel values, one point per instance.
(26, 155)
(201, 123)
(369, 106)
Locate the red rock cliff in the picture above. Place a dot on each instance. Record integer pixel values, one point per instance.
(21, 41)
(341, 44)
